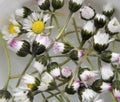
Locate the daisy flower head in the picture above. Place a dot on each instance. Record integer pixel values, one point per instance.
(34, 24)
(12, 30)
(21, 95)
(66, 72)
(44, 4)
(4, 95)
(113, 26)
(87, 13)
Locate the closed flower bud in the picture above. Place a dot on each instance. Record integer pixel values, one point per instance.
(60, 47)
(30, 82)
(73, 88)
(40, 44)
(75, 5)
(110, 57)
(66, 72)
(44, 4)
(87, 31)
(40, 63)
(113, 26)
(4, 95)
(100, 20)
(54, 69)
(101, 41)
(87, 13)
(21, 48)
(23, 12)
(100, 86)
(116, 89)
(57, 4)
(76, 54)
(110, 74)
(21, 95)
(108, 10)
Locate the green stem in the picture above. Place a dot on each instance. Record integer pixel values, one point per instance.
(113, 98)
(24, 71)
(64, 27)
(56, 21)
(81, 44)
(90, 63)
(114, 47)
(8, 61)
(76, 30)
(64, 62)
(51, 19)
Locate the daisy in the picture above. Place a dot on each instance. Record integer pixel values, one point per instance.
(57, 4)
(44, 4)
(11, 30)
(35, 24)
(66, 72)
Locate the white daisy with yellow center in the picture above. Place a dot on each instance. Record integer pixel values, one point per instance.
(35, 24)
(12, 30)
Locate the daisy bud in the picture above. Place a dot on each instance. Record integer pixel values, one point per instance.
(47, 82)
(110, 74)
(75, 5)
(100, 20)
(40, 63)
(4, 95)
(86, 94)
(57, 4)
(44, 4)
(73, 88)
(54, 69)
(108, 10)
(113, 26)
(76, 54)
(23, 12)
(100, 86)
(21, 48)
(40, 44)
(87, 76)
(66, 72)
(101, 41)
(60, 47)
(116, 89)
(87, 13)
(21, 95)
(87, 31)
(110, 57)
(30, 82)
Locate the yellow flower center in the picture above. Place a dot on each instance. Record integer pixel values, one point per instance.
(12, 29)
(30, 86)
(38, 27)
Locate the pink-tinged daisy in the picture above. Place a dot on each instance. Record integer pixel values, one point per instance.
(21, 48)
(34, 24)
(66, 72)
(110, 74)
(44, 4)
(11, 30)
(87, 13)
(116, 93)
(60, 47)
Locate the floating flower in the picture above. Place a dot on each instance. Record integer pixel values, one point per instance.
(44, 4)
(76, 54)
(35, 24)
(101, 41)
(21, 48)
(40, 44)
(87, 13)
(23, 12)
(113, 26)
(60, 47)
(108, 10)
(110, 74)
(4, 95)
(30, 82)
(21, 95)
(66, 72)
(100, 86)
(57, 4)
(74, 5)
(12, 30)
(100, 20)
(54, 69)
(40, 63)
(87, 31)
